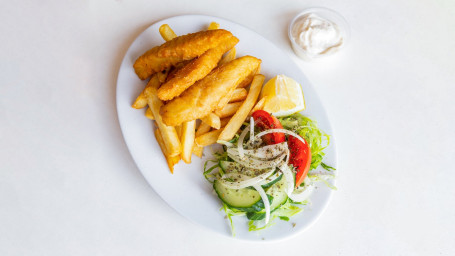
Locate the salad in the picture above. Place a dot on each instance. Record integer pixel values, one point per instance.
(268, 170)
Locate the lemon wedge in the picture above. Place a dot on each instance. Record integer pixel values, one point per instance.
(283, 96)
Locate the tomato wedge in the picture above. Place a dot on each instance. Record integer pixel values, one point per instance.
(300, 158)
(264, 121)
(300, 153)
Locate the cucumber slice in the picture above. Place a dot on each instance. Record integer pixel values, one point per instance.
(268, 185)
(237, 198)
(227, 166)
(278, 192)
(234, 167)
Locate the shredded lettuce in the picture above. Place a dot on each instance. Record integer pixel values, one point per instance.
(308, 129)
(285, 212)
(232, 212)
(323, 178)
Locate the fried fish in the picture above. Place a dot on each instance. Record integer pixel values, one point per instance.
(203, 97)
(194, 71)
(181, 48)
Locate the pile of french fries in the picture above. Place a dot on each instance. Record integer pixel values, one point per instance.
(180, 142)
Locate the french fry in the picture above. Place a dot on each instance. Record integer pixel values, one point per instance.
(166, 32)
(178, 129)
(208, 138)
(171, 160)
(224, 121)
(149, 114)
(140, 102)
(237, 120)
(162, 76)
(227, 98)
(212, 120)
(247, 81)
(198, 150)
(213, 26)
(188, 131)
(202, 129)
(229, 109)
(228, 57)
(239, 95)
(258, 106)
(169, 134)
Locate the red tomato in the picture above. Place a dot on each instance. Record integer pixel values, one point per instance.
(300, 158)
(265, 121)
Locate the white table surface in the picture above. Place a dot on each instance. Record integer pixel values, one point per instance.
(68, 185)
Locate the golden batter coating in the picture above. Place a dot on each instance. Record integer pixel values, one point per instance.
(202, 98)
(195, 70)
(181, 48)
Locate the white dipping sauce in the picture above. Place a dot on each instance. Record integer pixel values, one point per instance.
(317, 36)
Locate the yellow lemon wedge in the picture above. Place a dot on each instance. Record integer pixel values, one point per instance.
(283, 96)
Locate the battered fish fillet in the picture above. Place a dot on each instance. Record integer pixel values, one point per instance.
(203, 97)
(195, 70)
(179, 49)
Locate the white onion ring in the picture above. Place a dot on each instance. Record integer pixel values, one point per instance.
(247, 180)
(281, 131)
(226, 143)
(303, 193)
(273, 151)
(255, 163)
(251, 130)
(265, 199)
(240, 142)
(289, 178)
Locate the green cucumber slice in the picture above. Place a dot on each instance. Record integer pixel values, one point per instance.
(278, 192)
(237, 198)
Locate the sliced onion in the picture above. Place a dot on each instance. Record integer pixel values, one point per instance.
(255, 163)
(281, 131)
(240, 142)
(245, 180)
(273, 151)
(270, 178)
(288, 155)
(251, 130)
(226, 143)
(303, 193)
(289, 178)
(265, 199)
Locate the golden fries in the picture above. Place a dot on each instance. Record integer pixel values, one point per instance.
(208, 138)
(170, 137)
(187, 139)
(202, 129)
(213, 26)
(224, 121)
(171, 160)
(239, 95)
(237, 120)
(258, 106)
(140, 102)
(228, 57)
(149, 114)
(167, 33)
(229, 109)
(198, 150)
(212, 120)
(178, 129)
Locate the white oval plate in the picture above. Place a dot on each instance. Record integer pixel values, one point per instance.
(186, 190)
